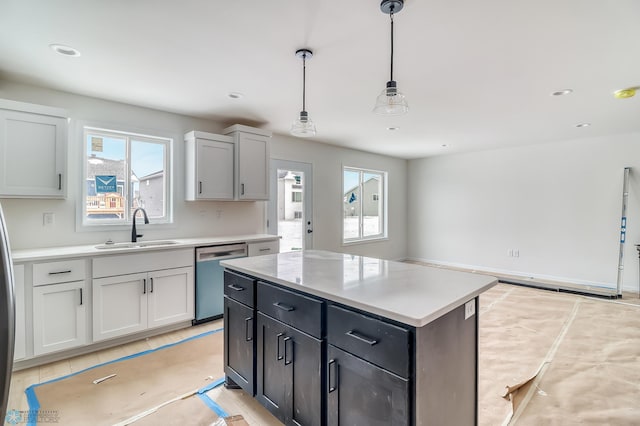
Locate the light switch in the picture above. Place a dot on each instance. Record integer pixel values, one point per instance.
(469, 309)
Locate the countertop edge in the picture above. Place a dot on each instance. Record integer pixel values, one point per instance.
(411, 321)
(90, 250)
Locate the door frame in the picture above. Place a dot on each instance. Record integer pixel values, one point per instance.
(272, 205)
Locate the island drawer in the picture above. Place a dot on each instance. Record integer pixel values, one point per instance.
(297, 310)
(379, 342)
(239, 288)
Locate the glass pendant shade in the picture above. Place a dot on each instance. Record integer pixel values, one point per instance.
(391, 101)
(303, 127)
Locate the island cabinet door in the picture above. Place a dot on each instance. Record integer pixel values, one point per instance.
(289, 376)
(361, 393)
(239, 344)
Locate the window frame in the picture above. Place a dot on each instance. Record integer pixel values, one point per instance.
(383, 235)
(84, 129)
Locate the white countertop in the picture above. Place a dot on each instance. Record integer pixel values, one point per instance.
(51, 253)
(408, 293)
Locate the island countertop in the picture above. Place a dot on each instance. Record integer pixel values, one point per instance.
(411, 294)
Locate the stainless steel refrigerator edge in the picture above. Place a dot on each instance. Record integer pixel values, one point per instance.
(7, 316)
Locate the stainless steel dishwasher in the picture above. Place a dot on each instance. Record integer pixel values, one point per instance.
(210, 279)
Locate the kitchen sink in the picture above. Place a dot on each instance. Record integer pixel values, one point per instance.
(139, 244)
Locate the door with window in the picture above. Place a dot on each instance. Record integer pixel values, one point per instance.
(290, 209)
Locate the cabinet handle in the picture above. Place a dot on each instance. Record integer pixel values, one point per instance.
(144, 286)
(80, 297)
(60, 272)
(265, 249)
(235, 287)
(361, 337)
(287, 361)
(248, 331)
(333, 368)
(59, 181)
(242, 190)
(199, 187)
(284, 307)
(151, 279)
(278, 356)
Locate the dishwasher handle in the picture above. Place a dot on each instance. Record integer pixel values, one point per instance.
(206, 254)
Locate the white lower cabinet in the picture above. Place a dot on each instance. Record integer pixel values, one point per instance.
(127, 304)
(151, 290)
(59, 317)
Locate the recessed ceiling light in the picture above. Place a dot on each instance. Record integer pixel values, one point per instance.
(65, 50)
(583, 125)
(235, 95)
(562, 92)
(393, 129)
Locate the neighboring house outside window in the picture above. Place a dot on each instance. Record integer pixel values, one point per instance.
(364, 204)
(122, 172)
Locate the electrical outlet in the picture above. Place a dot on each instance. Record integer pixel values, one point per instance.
(218, 214)
(510, 253)
(516, 253)
(48, 219)
(469, 309)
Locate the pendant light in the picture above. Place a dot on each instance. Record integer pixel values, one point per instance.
(303, 127)
(391, 101)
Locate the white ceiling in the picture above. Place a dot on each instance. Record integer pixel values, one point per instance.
(477, 74)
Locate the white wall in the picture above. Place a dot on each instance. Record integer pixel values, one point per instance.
(327, 162)
(559, 204)
(192, 219)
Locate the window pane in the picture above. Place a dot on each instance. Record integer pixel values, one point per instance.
(105, 179)
(148, 180)
(371, 206)
(351, 204)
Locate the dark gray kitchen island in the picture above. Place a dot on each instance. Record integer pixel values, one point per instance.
(328, 338)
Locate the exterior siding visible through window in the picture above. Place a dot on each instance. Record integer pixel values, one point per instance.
(364, 205)
(125, 171)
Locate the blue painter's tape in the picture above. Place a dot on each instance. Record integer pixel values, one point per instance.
(32, 398)
(202, 394)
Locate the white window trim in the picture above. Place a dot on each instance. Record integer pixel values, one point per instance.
(167, 223)
(384, 235)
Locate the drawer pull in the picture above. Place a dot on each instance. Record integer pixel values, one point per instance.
(60, 272)
(265, 249)
(288, 361)
(284, 307)
(278, 356)
(235, 287)
(361, 337)
(248, 331)
(333, 368)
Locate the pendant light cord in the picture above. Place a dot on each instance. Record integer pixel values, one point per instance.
(304, 79)
(391, 15)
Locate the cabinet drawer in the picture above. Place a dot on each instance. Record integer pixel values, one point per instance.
(59, 272)
(294, 309)
(265, 247)
(239, 287)
(376, 341)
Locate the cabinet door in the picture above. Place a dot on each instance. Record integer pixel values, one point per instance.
(32, 155)
(239, 344)
(170, 296)
(214, 170)
(59, 317)
(289, 376)
(20, 345)
(253, 167)
(119, 305)
(360, 393)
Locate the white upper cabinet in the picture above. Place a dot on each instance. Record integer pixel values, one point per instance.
(251, 162)
(209, 166)
(33, 150)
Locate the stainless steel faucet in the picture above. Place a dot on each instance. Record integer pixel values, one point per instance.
(134, 233)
